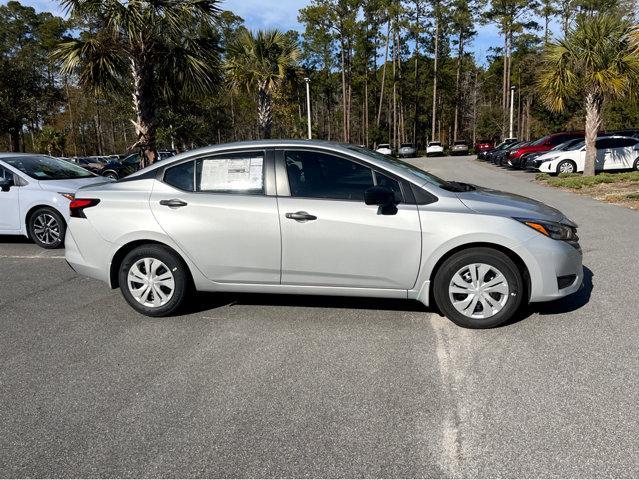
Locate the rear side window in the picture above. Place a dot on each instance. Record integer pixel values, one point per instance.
(232, 173)
(180, 176)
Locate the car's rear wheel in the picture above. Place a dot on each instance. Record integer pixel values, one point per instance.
(566, 166)
(112, 175)
(154, 280)
(478, 288)
(47, 228)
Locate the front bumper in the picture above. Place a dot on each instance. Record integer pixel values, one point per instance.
(549, 263)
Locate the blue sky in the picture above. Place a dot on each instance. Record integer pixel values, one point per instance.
(282, 14)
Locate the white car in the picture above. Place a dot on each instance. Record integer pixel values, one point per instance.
(384, 148)
(613, 153)
(434, 148)
(35, 192)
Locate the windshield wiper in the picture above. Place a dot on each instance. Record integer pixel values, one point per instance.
(459, 187)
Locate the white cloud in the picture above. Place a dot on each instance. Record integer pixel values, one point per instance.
(281, 14)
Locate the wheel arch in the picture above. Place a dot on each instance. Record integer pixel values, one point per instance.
(34, 208)
(124, 250)
(517, 260)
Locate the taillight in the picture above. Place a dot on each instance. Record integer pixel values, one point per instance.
(77, 206)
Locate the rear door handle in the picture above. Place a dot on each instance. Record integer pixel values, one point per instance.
(301, 216)
(173, 203)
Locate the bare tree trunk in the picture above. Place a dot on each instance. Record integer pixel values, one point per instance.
(594, 102)
(146, 122)
(460, 53)
(264, 112)
(436, 60)
(344, 95)
(381, 91)
(394, 139)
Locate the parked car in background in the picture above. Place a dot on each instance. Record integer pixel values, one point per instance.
(482, 146)
(92, 164)
(217, 219)
(541, 145)
(501, 157)
(613, 153)
(117, 169)
(626, 132)
(531, 161)
(502, 146)
(459, 147)
(407, 150)
(35, 193)
(434, 148)
(384, 149)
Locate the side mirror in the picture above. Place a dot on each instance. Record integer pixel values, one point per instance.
(383, 197)
(6, 184)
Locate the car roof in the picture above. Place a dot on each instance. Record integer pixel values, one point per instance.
(333, 147)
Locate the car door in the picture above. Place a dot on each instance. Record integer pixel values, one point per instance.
(626, 153)
(9, 203)
(219, 210)
(330, 237)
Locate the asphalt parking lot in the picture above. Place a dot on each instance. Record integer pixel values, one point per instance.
(283, 386)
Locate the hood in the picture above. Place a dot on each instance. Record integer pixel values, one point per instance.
(495, 202)
(71, 185)
(531, 148)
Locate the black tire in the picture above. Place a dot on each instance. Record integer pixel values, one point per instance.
(47, 228)
(111, 174)
(565, 165)
(502, 263)
(171, 263)
(636, 165)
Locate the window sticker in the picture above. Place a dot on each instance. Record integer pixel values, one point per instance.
(232, 174)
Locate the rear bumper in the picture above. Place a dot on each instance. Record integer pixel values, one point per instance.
(88, 263)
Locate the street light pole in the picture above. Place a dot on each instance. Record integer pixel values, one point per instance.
(512, 97)
(308, 106)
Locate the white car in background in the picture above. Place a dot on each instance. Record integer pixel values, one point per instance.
(434, 148)
(384, 149)
(35, 192)
(613, 153)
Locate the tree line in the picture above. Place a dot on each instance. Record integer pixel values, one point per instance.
(122, 76)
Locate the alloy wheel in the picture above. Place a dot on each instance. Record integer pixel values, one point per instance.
(478, 290)
(46, 228)
(566, 167)
(150, 282)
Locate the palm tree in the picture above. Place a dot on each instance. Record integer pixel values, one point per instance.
(261, 61)
(157, 49)
(595, 61)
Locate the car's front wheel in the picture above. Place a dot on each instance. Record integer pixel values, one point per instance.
(566, 166)
(154, 280)
(47, 228)
(111, 174)
(478, 288)
(636, 165)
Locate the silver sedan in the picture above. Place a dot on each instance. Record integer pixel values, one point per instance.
(302, 217)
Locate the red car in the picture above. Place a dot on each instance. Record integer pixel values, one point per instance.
(484, 146)
(542, 145)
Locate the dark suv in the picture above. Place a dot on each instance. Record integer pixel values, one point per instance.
(121, 168)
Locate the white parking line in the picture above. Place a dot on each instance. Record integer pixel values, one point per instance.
(31, 256)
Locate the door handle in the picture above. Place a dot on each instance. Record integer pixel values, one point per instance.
(173, 203)
(301, 216)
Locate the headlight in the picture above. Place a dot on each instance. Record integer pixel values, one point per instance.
(554, 230)
(550, 159)
(68, 196)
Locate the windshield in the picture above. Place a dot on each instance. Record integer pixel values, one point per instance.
(427, 177)
(434, 144)
(569, 145)
(541, 141)
(47, 168)
(407, 145)
(383, 145)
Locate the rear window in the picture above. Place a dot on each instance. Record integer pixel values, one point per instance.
(434, 144)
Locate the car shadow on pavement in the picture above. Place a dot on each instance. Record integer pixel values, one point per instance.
(15, 239)
(206, 301)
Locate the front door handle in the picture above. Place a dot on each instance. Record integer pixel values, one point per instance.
(173, 203)
(301, 216)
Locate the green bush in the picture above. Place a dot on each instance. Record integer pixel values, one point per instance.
(577, 181)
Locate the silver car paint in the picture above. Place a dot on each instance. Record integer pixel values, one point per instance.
(384, 256)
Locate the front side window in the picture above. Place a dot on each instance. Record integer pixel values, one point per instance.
(318, 175)
(47, 168)
(233, 173)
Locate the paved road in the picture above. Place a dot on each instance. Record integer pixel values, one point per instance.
(266, 386)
